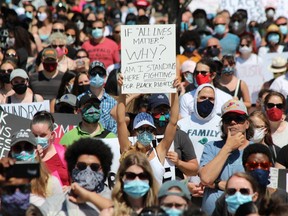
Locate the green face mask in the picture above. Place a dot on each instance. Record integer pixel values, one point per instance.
(91, 114)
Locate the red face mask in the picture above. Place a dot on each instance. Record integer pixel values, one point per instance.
(274, 114)
(201, 79)
(50, 67)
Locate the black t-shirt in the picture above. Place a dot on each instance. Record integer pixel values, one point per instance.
(46, 87)
(282, 156)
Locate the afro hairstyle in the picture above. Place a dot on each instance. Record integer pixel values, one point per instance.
(254, 149)
(89, 146)
(190, 35)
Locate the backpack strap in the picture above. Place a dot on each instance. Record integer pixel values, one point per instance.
(104, 134)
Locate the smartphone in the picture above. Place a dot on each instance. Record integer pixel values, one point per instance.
(23, 169)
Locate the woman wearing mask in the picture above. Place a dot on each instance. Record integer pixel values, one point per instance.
(81, 84)
(240, 188)
(79, 20)
(23, 94)
(52, 154)
(6, 90)
(190, 41)
(262, 132)
(73, 40)
(135, 187)
(82, 61)
(145, 129)
(275, 106)
(24, 148)
(273, 39)
(43, 29)
(230, 84)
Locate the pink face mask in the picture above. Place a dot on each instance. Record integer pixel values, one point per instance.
(60, 52)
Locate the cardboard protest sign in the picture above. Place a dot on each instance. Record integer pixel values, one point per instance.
(210, 6)
(255, 9)
(26, 110)
(250, 73)
(10, 124)
(148, 58)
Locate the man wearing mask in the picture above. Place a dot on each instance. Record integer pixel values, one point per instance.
(183, 155)
(238, 24)
(281, 22)
(200, 23)
(213, 48)
(222, 158)
(229, 42)
(47, 81)
(202, 126)
(205, 72)
(89, 107)
(23, 94)
(101, 48)
(270, 13)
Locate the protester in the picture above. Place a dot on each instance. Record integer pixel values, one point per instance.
(135, 186)
(6, 90)
(174, 197)
(275, 106)
(42, 126)
(220, 159)
(145, 129)
(81, 84)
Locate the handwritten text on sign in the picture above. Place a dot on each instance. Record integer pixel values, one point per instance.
(148, 58)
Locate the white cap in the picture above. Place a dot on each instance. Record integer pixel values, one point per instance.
(18, 73)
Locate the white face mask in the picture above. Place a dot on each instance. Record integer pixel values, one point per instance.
(259, 134)
(42, 16)
(245, 50)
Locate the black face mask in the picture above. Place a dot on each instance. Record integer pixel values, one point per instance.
(212, 52)
(83, 88)
(5, 78)
(204, 108)
(20, 88)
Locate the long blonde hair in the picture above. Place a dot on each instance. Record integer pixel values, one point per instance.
(121, 205)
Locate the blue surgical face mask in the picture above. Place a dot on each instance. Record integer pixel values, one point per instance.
(131, 22)
(274, 38)
(29, 15)
(43, 142)
(204, 108)
(131, 10)
(261, 176)
(91, 114)
(89, 179)
(173, 211)
(97, 81)
(145, 138)
(189, 77)
(283, 29)
(227, 70)
(189, 49)
(136, 188)
(24, 156)
(234, 201)
(16, 203)
(220, 29)
(184, 26)
(97, 33)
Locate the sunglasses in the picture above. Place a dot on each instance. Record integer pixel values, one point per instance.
(58, 30)
(283, 24)
(10, 54)
(210, 47)
(10, 189)
(171, 205)
(148, 129)
(243, 45)
(117, 32)
(158, 115)
(204, 73)
(232, 191)
(254, 165)
(6, 71)
(80, 57)
(101, 73)
(272, 105)
(132, 176)
(220, 24)
(82, 166)
(28, 147)
(55, 46)
(97, 28)
(239, 119)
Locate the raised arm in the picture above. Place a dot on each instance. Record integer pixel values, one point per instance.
(121, 123)
(170, 130)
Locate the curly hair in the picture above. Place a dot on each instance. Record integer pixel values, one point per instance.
(190, 36)
(121, 204)
(89, 146)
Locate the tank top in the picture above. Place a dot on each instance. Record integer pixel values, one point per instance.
(157, 167)
(9, 101)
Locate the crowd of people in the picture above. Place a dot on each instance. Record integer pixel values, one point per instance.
(221, 143)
